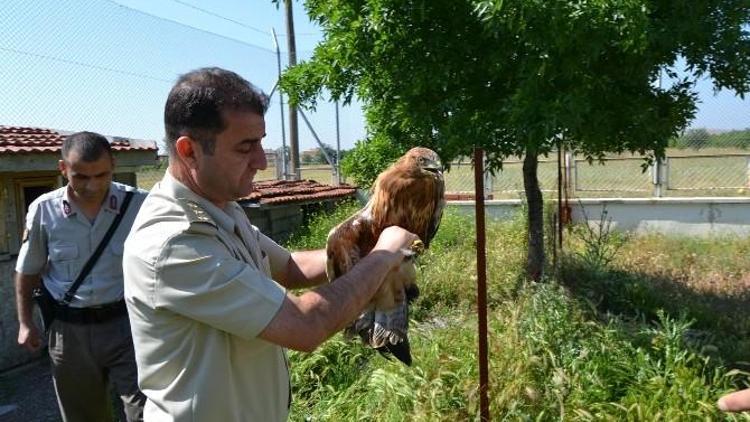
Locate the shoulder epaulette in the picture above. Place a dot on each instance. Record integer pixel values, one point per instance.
(199, 219)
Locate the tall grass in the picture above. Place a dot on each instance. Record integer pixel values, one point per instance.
(578, 348)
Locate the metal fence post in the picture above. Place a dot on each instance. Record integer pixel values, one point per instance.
(568, 164)
(487, 180)
(747, 172)
(658, 169)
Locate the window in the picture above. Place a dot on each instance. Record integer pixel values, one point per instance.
(27, 189)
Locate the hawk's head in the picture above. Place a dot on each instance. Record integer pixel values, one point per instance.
(424, 159)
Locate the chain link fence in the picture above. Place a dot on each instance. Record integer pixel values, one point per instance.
(714, 165)
(101, 66)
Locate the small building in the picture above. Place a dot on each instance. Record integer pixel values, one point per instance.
(29, 168)
(280, 207)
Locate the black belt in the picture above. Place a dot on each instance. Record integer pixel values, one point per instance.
(91, 315)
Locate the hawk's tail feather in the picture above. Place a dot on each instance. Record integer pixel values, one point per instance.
(389, 333)
(362, 326)
(401, 351)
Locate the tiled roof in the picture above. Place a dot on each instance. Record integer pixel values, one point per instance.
(284, 191)
(26, 140)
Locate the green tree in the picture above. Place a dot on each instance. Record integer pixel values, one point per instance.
(694, 138)
(321, 158)
(368, 159)
(517, 78)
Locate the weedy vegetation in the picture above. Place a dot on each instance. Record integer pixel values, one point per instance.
(632, 328)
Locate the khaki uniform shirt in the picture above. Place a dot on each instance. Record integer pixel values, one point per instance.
(199, 291)
(59, 239)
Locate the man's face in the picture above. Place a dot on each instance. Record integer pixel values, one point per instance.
(89, 180)
(238, 155)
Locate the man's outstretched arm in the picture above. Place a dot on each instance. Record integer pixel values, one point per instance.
(29, 335)
(306, 321)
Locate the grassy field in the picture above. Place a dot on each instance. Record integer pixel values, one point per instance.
(688, 176)
(148, 176)
(623, 177)
(630, 328)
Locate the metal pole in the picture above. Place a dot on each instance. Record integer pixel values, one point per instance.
(293, 129)
(559, 195)
(317, 138)
(484, 403)
(284, 171)
(338, 146)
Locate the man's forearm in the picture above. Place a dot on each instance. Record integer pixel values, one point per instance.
(306, 269)
(340, 302)
(25, 284)
(304, 322)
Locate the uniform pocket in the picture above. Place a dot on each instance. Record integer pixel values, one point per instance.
(63, 259)
(63, 251)
(116, 247)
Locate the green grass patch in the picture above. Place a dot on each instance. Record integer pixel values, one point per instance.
(604, 342)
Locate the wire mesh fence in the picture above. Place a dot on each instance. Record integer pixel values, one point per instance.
(102, 66)
(99, 65)
(718, 166)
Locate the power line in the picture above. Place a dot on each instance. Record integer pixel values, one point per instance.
(216, 15)
(191, 27)
(236, 22)
(82, 64)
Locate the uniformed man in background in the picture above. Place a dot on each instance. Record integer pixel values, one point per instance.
(206, 291)
(89, 339)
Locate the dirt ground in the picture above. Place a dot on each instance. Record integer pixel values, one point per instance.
(27, 394)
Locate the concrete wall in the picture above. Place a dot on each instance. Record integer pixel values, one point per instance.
(684, 216)
(279, 222)
(48, 161)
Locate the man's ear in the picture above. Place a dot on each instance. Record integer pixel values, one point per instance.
(186, 151)
(62, 167)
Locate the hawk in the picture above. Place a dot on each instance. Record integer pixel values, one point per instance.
(409, 194)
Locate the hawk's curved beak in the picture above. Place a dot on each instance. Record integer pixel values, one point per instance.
(433, 166)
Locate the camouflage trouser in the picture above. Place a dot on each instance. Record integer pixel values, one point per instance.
(85, 358)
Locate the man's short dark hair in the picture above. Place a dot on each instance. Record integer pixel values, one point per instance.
(196, 104)
(89, 146)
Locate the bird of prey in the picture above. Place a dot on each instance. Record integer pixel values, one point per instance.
(409, 194)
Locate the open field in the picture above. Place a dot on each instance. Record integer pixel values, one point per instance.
(652, 335)
(688, 175)
(148, 176)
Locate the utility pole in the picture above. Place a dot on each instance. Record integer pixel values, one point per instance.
(284, 170)
(293, 129)
(337, 169)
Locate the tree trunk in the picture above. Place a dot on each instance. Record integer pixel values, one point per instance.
(535, 258)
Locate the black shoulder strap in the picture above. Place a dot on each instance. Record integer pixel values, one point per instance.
(99, 249)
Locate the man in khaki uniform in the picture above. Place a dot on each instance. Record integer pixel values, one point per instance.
(206, 291)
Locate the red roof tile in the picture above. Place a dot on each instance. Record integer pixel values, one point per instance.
(20, 140)
(285, 191)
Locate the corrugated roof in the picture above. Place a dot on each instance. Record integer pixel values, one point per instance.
(30, 140)
(286, 191)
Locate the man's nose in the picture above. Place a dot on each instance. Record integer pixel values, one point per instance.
(259, 159)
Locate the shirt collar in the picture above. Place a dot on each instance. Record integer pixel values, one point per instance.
(225, 219)
(111, 202)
